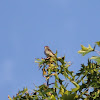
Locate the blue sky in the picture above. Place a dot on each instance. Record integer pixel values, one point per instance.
(26, 26)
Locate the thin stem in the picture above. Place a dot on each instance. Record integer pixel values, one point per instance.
(47, 82)
(98, 52)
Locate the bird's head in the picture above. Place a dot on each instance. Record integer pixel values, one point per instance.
(46, 47)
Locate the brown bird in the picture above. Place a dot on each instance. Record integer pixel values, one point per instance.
(48, 52)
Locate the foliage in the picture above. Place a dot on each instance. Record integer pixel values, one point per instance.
(86, 82)
(98, 43)
(85, 50)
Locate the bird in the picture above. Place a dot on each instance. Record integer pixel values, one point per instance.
(48, 52)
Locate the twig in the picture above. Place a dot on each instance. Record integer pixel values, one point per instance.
(98, 52)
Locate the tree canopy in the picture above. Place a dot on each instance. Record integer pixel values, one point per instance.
(86, 81)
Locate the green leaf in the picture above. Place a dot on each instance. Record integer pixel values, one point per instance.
(96, 58)
(56, 85)
(56, 76)
(98, 43)
(77, 86)
(84, 50)
(49, 71)
(61, 90)
(68, 96)
(9, 97)
(56, 53)
(52, 97)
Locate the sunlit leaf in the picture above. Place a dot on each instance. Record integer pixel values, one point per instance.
(98, 43)
(84, 50)
(96, 58)
(56, 76)
(61, 90)
(49, 71)
(77, 86)
(52, 97)
(56, 53)
(9, 97)
(56, 86)
(68, 96)
(44, 71)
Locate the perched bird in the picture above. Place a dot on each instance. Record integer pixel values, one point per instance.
(48, 52)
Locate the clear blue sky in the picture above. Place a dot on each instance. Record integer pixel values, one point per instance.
(26, 26)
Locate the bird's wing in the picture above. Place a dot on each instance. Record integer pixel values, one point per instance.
(50, 51)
